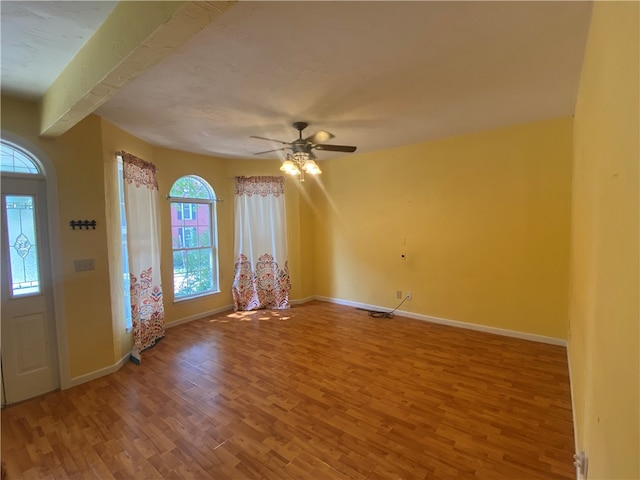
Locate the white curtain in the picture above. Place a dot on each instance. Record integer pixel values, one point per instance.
(261, 277)
(143, 242)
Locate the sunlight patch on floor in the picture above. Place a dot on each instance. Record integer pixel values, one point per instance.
(261, 315)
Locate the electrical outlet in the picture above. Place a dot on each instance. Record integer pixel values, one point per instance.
(409, 296)
(581, 463)
(398, 293)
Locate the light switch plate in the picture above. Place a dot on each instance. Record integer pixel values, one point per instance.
(84, 265)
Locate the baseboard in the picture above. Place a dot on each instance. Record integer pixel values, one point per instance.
(225, 308)
(198, 316)
(573, 408)
(98, 373)
(301, 301)
(452, 323)
(348, 303)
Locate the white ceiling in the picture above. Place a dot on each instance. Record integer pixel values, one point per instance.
(40, 38)
(375, 74)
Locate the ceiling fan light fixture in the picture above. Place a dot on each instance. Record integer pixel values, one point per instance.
(311, 167)
(289, 167)
(301, 159)
(299, 163)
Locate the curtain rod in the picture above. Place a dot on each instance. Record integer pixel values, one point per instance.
(169, 197)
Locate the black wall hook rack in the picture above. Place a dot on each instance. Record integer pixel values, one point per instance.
(83, 224)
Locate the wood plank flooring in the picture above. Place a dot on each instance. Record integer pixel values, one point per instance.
(320, 391)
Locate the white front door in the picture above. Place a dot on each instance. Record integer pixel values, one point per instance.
(29, 351)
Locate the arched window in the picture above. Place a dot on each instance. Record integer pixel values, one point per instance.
(14, 160)
(194, 238)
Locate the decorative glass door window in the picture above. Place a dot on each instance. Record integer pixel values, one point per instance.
(23, 248)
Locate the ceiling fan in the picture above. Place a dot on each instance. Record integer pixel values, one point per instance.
(306, 145)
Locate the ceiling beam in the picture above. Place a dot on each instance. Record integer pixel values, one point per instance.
(135, 36)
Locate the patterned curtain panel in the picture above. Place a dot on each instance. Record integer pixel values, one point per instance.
(143, 243)
(261, 278)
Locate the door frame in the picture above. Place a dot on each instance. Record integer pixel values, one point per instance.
(55, 251)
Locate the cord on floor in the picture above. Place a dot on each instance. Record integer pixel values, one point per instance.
(379, 314)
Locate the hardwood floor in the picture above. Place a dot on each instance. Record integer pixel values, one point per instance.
(320, 391)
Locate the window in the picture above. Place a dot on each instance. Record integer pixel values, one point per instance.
(187, 237)
(13, 160)
(193, 238)
(19, 211)
(186, 211)
(125, 251)
(23, 250)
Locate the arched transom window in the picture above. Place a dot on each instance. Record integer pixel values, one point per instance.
(13, 160)
(193, 238)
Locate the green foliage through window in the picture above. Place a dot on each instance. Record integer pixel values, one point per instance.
(191, 187)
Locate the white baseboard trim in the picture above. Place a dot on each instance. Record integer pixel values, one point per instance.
(301, 301)
(453, 323)
(198, 316)
(573, 408)
(87, 377)
(225, 308)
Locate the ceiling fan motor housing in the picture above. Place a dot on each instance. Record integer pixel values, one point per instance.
(301, 145)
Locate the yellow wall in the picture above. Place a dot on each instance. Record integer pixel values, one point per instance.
(604, 342)
(77, 159)
(306, 245)
(483, 220)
